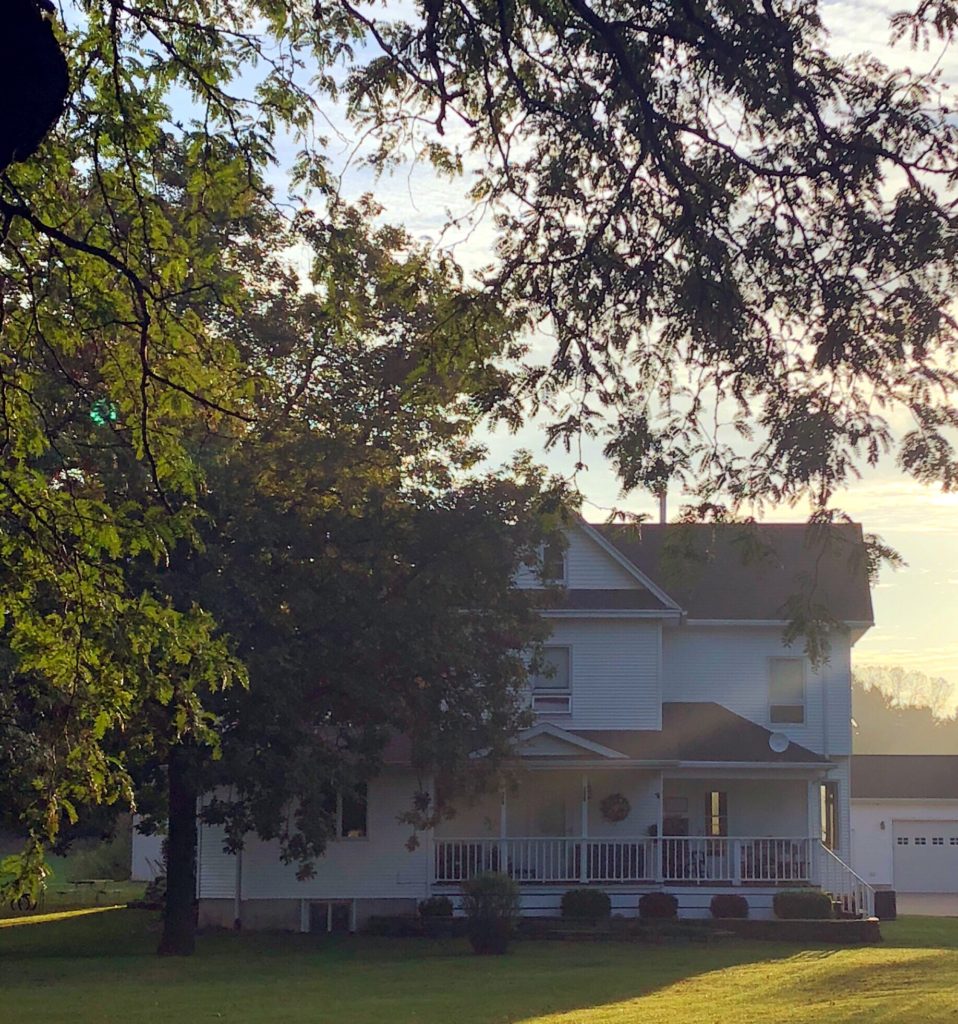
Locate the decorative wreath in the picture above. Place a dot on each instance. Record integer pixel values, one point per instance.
(615, 807)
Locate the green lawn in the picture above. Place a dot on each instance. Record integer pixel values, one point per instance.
(99, 968)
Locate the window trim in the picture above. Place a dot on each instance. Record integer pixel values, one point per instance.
(716, 818)
(337, 836)
(829, 796)
(554, 580)
(803, 704)
(554, 692)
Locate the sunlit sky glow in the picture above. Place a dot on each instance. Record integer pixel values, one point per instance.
(916, 607)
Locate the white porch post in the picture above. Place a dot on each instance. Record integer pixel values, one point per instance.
(814, 830)
(503, 831)
(430, 843)
(584, 844)
(659, 867)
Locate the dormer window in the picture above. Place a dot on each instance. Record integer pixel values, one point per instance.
(552, 685)
(553, 562)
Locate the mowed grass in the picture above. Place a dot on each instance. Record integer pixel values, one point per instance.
(100, 967)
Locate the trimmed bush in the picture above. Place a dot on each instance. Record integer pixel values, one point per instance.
(728, 904)
(802, 904)
(586, 904)
(436, 906)
(658, 905)
(491, 904)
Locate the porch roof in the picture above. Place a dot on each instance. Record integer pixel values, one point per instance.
(699, 731)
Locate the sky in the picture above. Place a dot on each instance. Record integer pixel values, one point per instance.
(916, 607)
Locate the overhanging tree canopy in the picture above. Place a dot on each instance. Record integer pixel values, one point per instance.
(746, 246)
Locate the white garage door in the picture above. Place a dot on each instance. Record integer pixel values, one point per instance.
(926, 856)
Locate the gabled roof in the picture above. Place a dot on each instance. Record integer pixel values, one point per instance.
(729, 571)
(905, 776)
(630, 565)
(700, 731)
(564, 743)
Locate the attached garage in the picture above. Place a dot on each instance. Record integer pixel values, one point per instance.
(925, 856)
(904, 818)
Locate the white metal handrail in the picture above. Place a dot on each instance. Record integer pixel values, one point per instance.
(854, 894)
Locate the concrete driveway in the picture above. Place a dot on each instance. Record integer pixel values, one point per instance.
(935, 904)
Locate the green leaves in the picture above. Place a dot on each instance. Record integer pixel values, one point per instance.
(718, 221)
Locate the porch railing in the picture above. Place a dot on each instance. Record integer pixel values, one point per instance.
(677, 859)
(736, 859)
(538, 859)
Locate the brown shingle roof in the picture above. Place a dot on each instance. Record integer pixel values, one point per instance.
(731, 571)
(699, 731)
(905, 776)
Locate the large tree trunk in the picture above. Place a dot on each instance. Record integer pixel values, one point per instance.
(179, 918)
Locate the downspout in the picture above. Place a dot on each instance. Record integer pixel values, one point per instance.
(238, 892)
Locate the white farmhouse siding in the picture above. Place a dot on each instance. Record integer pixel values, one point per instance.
(616, 673)
(730, 664)
(588, 567)
(546, 803)
(776, 808)
(378, 867)
(877, 824)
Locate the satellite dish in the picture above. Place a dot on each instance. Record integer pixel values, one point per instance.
(779, 742)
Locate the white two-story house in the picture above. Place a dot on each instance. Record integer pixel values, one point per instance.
(679, 745)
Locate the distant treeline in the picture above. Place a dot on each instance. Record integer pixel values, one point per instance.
(896, 711)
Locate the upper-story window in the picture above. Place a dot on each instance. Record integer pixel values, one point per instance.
(786, 691)
(348, 809)
(554, 562)
(552, 685)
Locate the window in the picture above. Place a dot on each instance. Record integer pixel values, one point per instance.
(920, 841)
(352, 813)
(553, 562)
(348, 811)
(938, 841)
(829, 812)
(903, 840)
(787, 691)
(953, 841)
(552, 684)
(716, 814)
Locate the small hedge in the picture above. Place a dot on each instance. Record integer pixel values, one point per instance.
(491, 905)
(408, 926)
(728, 904)
(436, 906)
(586, 905)
(659, 905)
(802, 904)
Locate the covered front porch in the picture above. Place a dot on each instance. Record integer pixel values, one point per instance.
(628, 826)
